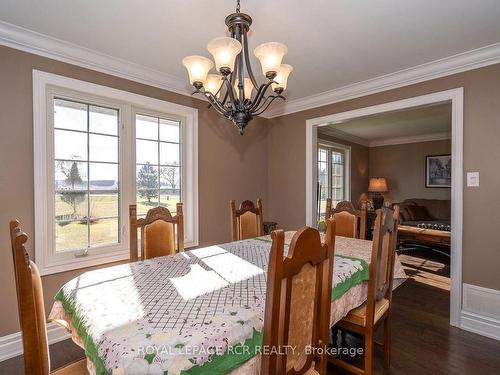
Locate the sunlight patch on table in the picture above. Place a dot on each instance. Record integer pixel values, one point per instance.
(118, 293)
(197, 282)
(231, 267)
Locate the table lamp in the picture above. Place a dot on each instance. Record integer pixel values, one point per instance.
(378, 185)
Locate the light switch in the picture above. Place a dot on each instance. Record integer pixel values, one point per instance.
(472, 179)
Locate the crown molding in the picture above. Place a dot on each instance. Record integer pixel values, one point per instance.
(339, 134)
(30, 41)
(411, 139)
(461, 62)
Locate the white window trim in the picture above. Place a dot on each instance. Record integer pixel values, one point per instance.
(347, 165)
(44, 85)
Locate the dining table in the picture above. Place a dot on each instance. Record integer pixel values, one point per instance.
(195, 312)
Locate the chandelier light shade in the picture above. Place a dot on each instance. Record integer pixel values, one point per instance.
(198, 68)
(236, 93)
(270, 55)
(224, 50)
(247, 89)
(213, 83)
(282, 77)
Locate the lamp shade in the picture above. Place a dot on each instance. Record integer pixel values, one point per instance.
(270, 55)
(197, 67)
(213, 83)
(282, 77)
(224, 50)
(247, 88)
(378, 185)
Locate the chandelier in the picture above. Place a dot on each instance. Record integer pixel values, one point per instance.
(235, 93)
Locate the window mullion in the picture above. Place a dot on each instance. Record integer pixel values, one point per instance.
(158, 166)
(88, 176)
(330, 173)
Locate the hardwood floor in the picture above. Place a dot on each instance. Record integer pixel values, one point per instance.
(423, 343)
(61, 353)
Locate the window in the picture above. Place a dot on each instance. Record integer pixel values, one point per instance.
(86, 170)
(96, 151)
(333, 175)
(158, 165)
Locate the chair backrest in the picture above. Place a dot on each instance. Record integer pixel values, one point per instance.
(30, 304)
(159, 236)
(247, 221)
(299, 292)
(363, 199)
(349, 221)
(382, 259)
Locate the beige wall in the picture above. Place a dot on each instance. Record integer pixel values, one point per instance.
(230, 166)
(481, 255)
(359, 165)
(404, 168)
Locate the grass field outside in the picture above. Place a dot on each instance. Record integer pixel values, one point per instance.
(76, 235)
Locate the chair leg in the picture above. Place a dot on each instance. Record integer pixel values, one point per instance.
(334, 338)
(368, 353)
(343, 341)
(387, 342)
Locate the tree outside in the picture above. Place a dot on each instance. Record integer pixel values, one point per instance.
(170, 175)
(73, 178)
(147, 182)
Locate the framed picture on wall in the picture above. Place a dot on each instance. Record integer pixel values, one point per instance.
(438, 171)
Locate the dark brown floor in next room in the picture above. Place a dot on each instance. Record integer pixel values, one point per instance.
(423, 341)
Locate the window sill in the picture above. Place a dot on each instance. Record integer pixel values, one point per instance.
(72, 264)
(76, 263)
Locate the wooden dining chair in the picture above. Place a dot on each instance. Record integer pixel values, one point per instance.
(32, 312)
(365, 319)
(247, 221)
(161, 232)
(298, 300)
(350, 222)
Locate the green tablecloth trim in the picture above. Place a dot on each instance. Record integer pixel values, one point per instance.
(221, 364)
(91, 349)
(357, 278)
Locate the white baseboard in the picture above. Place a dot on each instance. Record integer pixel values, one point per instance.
(481, 325)
(12, 345)
(481, 311)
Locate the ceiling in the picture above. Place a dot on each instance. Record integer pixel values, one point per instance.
(405, 126)
(331, 43)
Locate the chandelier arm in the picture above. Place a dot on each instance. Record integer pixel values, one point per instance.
(247, 61)
(263, 103)
(215, 103)
(261, 94)
(264, 88)
(226, 94)
(223, 102)
(232, 79)
(232, 100)
(273, 98)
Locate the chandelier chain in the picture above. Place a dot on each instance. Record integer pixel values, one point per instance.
(237, 6)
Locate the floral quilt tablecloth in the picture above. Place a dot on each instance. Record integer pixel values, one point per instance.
(197, 312)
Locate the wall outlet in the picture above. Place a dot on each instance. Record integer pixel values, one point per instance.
(472, 179)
